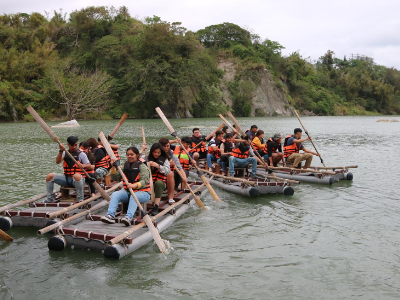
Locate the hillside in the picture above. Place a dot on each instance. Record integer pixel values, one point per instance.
(99, 62)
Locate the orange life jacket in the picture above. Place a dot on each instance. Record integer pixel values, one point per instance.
(216, 153)
(70, 167)
(183, 158)
(90, 160)
(240, 152)
(155, 172)
(293, 148)
(116, 154)
(105, 162)
(201, 148)
(266, 147)
(256, 146)
(132, 173)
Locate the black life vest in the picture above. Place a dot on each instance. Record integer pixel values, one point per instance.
(132, 173)
(202, 147)
(228, 147)
(105, 162)
(156, 174)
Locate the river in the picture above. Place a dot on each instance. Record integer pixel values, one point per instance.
(324, 242)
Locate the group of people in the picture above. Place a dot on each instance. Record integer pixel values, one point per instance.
(168, 164)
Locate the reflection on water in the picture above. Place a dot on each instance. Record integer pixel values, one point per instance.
(325, 242)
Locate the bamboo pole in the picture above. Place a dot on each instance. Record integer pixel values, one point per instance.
(303, 170)
(127, 233)
(154, 232)
(38, 119)
(305, 130)
(72, 218)
(20, 203)
(278, 178)
(148, 166)
(201, 175)
(80, 204)
(329, 168)
(5, 236)
(122, 120)
(230, 178)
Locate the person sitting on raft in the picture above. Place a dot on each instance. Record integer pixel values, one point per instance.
(292, 147)
(102, 165)
(242, 156)
(213, 149)
(200, 151)
(226, 150)
(73, 175)
(84, 147)
(271, 147)
(160, 168)
(258, 142)
(251, 133)
(138, 176)
(184, 160)
(175, 166)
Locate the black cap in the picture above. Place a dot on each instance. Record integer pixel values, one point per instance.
(253, 126)
(72, 140)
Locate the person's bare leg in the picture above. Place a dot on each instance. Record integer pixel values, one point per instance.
(170, 185)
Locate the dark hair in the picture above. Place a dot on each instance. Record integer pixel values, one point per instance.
(163, 141)
(228, 135)
(259, 132)
(84, 144)
(134, 149)
(224, 129)
(253, 126)
(194, 129)
(246, 137)
(155, 147)
(219, 132)
(186, 139)
(92, 143)
(296, 130)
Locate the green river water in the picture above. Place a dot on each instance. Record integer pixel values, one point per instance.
(324, 242)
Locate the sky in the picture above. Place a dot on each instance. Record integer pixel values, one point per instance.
(310, 27)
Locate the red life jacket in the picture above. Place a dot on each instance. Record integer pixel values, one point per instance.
(293, 148)
(216, 153)
(132, 173)
(105, 162)
(201, 148)
(183, 158)
(155, 172)
(70, 167)
(241, 151)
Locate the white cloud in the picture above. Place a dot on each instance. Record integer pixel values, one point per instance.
(309, 26)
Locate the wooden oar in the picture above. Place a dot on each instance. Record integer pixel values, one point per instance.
(229, 178)
(20, 203)
(5, 236)
(305, 130)
(127, 233)
(154, 232)
(80, 204)
(122, 120)
(38, 119)
(210, 135)
(201, 175)
(72, 218)
(152, 197)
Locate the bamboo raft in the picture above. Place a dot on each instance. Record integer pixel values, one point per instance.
(117, 240)
(40, 214)
(322, 175)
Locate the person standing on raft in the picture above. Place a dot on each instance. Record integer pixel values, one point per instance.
(138, 176)
(292, 147)
(73, 175)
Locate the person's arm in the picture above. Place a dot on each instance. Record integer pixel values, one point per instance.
(61, 153)
(309, 151)
(114, 146)
(143, 179)
(164, 169)
(83, 162)
(301, 140)
(176, 162)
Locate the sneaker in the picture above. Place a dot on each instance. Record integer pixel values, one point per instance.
(154, 210)
(253, 176)
(127, 221)
(109, 219)
(171, 201)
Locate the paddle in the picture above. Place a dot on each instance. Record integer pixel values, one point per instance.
(148, 166)
(305, 130)
(5, 236)
(38, 119)
(122, 120)
(201, 175)
(154, 232)
(229, 178)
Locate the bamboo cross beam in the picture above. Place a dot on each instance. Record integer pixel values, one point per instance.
(122, 120)
(80, 204)
(230, 178)
(305, 130)
(278, 178)
(154, 232)
(303, 170)
(173, 133)
(21, 203)
(127, 233)
(330, 168)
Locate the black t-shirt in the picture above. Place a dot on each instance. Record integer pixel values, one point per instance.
(271, 145)
(99, 153)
